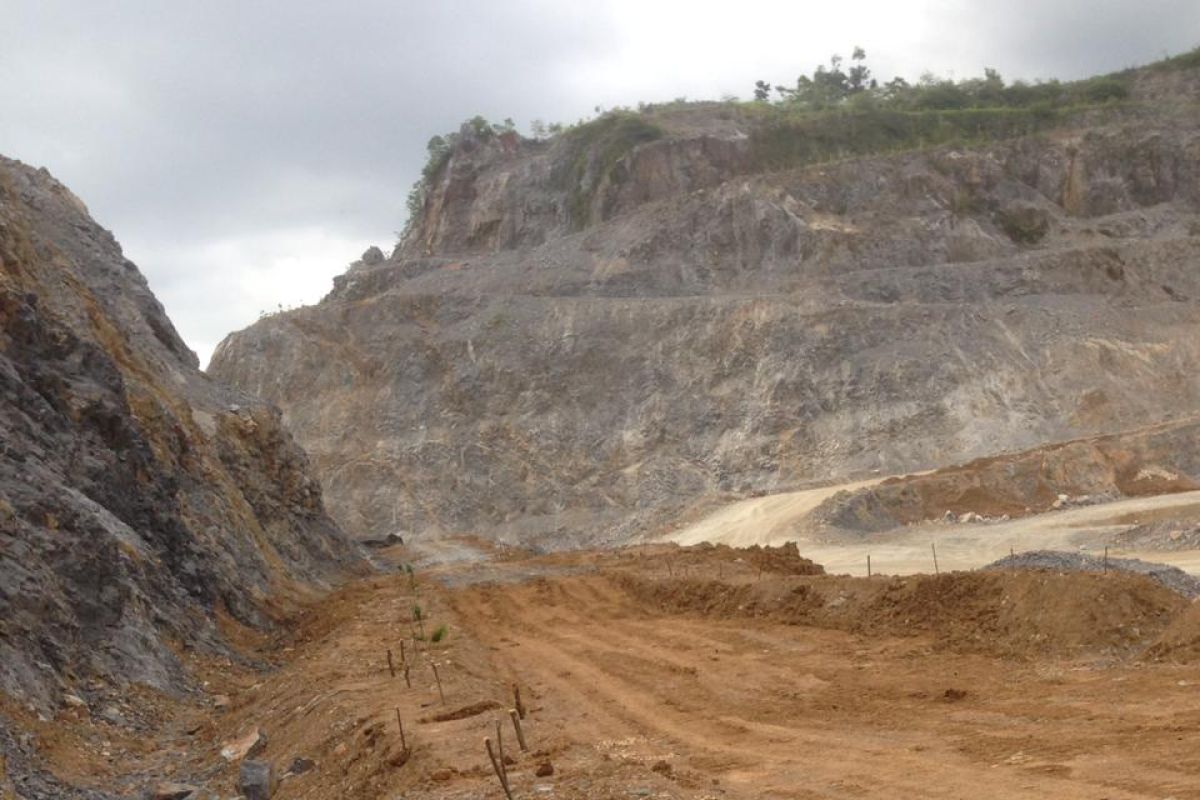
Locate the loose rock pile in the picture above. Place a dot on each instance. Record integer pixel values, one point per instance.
(1173, 578)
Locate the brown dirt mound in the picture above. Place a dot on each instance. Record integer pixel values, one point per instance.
(1144, 462)
(1180, 642)
(1013, 615)
(782, 560)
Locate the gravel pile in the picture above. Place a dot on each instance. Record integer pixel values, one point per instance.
(1166, 535)
(1059, 561)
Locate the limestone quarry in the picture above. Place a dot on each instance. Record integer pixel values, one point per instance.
(700, 451)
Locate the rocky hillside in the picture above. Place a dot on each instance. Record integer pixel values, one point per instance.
(142, 505)
(581, 336)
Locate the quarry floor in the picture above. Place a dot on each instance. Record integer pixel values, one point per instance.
(656, 672)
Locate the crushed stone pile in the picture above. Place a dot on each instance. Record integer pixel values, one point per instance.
(1173, 578)
(1166, 535)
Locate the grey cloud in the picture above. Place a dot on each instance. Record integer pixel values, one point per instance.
(182, 124)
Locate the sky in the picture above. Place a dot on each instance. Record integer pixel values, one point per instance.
(244, 152)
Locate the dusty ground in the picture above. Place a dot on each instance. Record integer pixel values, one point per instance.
(661, 672)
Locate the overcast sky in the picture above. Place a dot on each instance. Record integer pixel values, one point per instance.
(245, 151)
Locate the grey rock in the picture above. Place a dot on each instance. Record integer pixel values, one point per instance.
(256, 780)
(133, 501)
(299, 766)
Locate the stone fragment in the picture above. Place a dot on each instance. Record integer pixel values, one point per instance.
(246, 746)
(168, 790)
(256, 780)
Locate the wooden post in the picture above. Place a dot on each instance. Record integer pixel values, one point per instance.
(437, 678)
(400, 722)
(933, 547)
(516, 721)
(487, 743)
(403, 655)
(517, 701)
(868, 565)
(391, 666)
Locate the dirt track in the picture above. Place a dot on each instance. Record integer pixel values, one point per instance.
(750, 708)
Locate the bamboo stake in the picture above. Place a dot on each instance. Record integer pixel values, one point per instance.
(391, 666)
(437, 678)
(400, 722)
(500, 751)
(517, 700)
(868, 565)
(933, 547)
(487, 743)
(407, 682)
(516, 721)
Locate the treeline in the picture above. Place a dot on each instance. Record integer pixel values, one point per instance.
(838, 85)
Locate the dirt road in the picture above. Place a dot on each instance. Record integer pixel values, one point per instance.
(762, 520)
(775, 519)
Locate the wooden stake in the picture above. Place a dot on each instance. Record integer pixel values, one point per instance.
(517, 701)
(437, 678)
(933, 547)
(868, 565)
(407, 682)
(391, 666)
(403, 655)
(500, 751)
(400, 722)
(487, 743)
(516, 721)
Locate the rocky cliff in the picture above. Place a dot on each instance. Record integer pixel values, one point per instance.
(140, 502)
(579, 337)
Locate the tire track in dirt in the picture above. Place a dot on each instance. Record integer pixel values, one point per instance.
(618, 673)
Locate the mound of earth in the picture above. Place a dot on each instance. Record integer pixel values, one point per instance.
(1173, 578)
(1180, 642)
(1020, 615)
(1152, 460)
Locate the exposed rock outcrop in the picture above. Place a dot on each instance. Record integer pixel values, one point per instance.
(140, 501)
(582, 336)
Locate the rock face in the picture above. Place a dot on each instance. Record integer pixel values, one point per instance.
(139, 500)
(581, 337)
